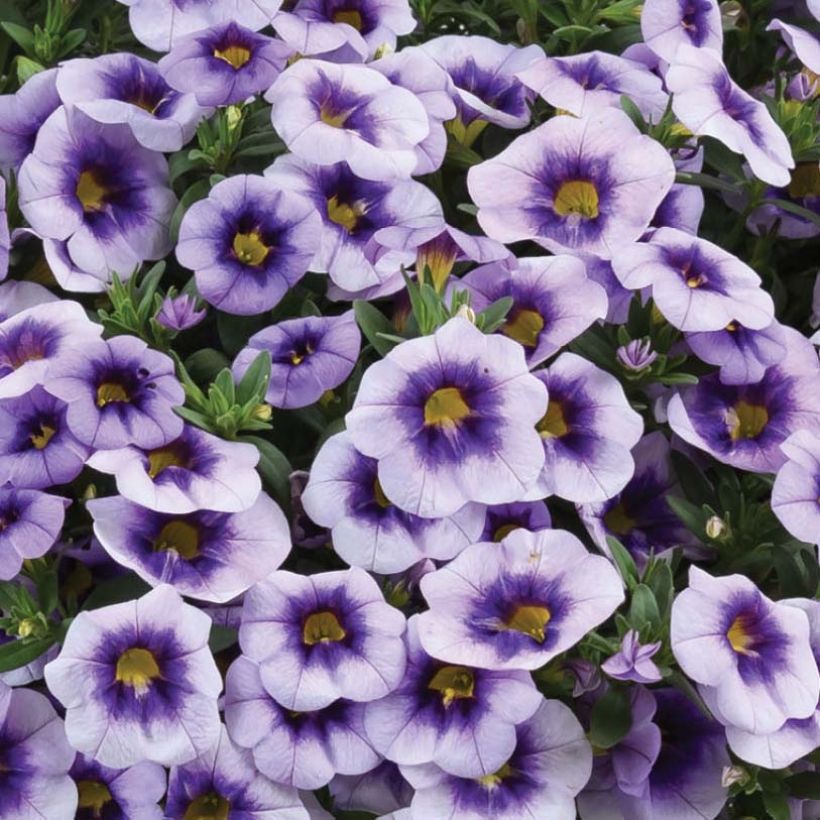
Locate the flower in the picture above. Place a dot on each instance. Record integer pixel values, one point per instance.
(118, 392)
(551, 762)
(553, 301)
(247, 242)
(224, 64)
(105, 792)
(30, 523)
(5, 237)
(668, 24)
(37, 449)
(502, 519)
(297, 748)
(309, 357)
(517, 604)
(326, 113)
(344, 494)
(332, 631)
(461, 718)
(180, 313)
(35, 758)
(123, 88)
(196, 471)
(752, 652)
(636, 355)
(450, 419)
(381, 790)
(796, 488)
(804, 191)
(96, 188)
(633, 661)
(709, 103)
(580, 185)
(804, 44)
(369, 229)
(206, 555)
(16, 297)
(744, 425)
(586, 433)
(682, 207)
(223, 780)
(695, 284)
(585, 83)
(138, 681)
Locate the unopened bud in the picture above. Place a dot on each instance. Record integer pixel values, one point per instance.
(715, 527)
(732, 775)
(466, 312)
(234, 117)
(262, 412)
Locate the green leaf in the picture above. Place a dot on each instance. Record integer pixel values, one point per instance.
(634, 113)
(643, 609)
(21, 35)
(204, 365)
(624, 561)
(18, 653)
(27, 68)
(693, 482)
(793, 208)
(254, 383)
(375, 326)
(691, 515)
(225, 385)
(706, 181)
(611, 718)
(777, 806)
(221, 638)
(804, 785)
(661, 582)
(494, 315)
(274, 468)
(71, 40)
(123, 588)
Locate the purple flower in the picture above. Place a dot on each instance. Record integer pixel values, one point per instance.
(15, 297)
(5, 237)
(224, 64)
(248, 242)
(802, 190)
(344, 494)
(682, 207)
(96, 188)
(309, 356)
(752, 652)
(633, 661)
(180, 313)
(805, 45)
(118, 392)
(619, 297)
(668, 24)
(302, 749)
(35, 758)
(450, 418)
(206, 555)
(502, 519)
(138, 681)
(517, 604)
(636, 355)
(709, 103)
(584, 185)
(37, 449)
(796, 488)
(196, 471)
(326, 113)
(333, 632)
(123, 88)
(30, 523)
(381, 791)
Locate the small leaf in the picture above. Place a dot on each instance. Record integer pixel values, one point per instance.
(611, 718)
(204, 365)
(804, 785)
(123, 588)
(221, 638)
(375, 326)
(274, 468)
(643, 609)
(254, 383)
(624, 561)
(494, 315)
(18, 653)
(21, 35)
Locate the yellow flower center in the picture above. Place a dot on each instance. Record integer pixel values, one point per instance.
(378, 493)
(210, 806)
(746, 421)
(179, 536)
(577, 197)
(297, 356)
(90, 192)
(454, 683)
(349, 16)
(492, 781)
(137, 667)
(504, 530)
(322, 627)
(524, 326)
(109, 392)
(93, 795)
(250, 249)
(740, 638)
(335, 119)
(161, 459)
(553, 424)
(40, 440)
(617, 520)
(530, 620)
(343, 214)
(445, 408)
(234, 56)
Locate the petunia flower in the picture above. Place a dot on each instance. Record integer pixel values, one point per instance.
(333, 631)
(206, 555)
(682, 207)
(585, 185)
(344, 494)
(196, 471)
(5, 236)
(668, 24)
(380, 791)
(15, 297)
(451, 419)
(636, 355)
(326, 113)
(138, 681)
(180, 313)
(796, 488)
(517, 604)
(309, 356)
(769, 218)
(502, 519)
(752, 652)
(804, 44)
(304, 749)
(30, 523)
(633, 661)
(248, 242)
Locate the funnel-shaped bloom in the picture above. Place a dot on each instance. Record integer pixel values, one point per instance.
(796, 489)
(668, 24)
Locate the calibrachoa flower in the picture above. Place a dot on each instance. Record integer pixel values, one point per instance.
(123, 88)
(551, 763)
(326, 113)
(668, 24)
(461, 718)
(36, 447)
(636, 355)
(450, 418)
(180, 313)
(16, 297)
(695, 284)
(223, 782)
(309, 356)
(332, 631)
(709, 103)
(297, 748)
(5, 237)
(206, 555)
(752, 652)
(224, 64)
(517, 604)
(30, 523)
(553, 300)
(97, 188)
(22, 114)
(248, 242)
(104, 792)
(745, 425)
(581, 185)
(633, 661)
(502, 519)
(34, 758)
(138, 681)
(381, 791)
(344, 494)
(796, 488)
(586, 432)
(805, 45)
(196, 471)
(682, 207)
(118, 392)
